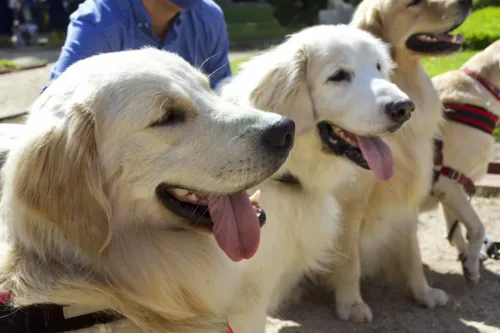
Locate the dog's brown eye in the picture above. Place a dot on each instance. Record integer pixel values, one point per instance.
(339, 76)
(415, 3)
(171, 117)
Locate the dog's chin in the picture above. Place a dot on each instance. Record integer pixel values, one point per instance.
(192, 205)
(435, 44)
(341, 143)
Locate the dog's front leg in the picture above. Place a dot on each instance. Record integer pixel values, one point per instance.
(251, 320)
(412, 267)
(346, 273)
(456, 203)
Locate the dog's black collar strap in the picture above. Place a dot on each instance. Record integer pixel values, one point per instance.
(49, 318)
(288, 178)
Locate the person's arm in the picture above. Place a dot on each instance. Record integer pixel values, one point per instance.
(84, 39)
(218, 67)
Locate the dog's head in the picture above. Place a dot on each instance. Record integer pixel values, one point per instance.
(139, 137)
(419, 26)
(333, 80)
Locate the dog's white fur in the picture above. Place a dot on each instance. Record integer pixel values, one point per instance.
(380, 219)
(466, 150)
(80, 222)
(292, 80)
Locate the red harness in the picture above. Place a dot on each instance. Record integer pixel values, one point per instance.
(487, 85)
(472, 116)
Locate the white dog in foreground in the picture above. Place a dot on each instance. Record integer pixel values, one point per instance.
(333, 82)
(127, 193)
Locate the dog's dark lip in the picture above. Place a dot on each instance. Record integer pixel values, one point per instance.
(436, 47)
(339, 147)
(197, 215)
(433, 45)
(395, 128)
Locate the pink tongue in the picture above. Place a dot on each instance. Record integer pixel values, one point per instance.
(236, 227)
(378, 155)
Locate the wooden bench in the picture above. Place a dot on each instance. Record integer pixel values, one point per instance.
(489, 185)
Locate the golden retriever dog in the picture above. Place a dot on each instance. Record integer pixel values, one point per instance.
(127, 193)
(333, 82)
(379, 218)
(471, 96)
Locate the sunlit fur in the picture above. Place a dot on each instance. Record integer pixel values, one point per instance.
(292, 80)
(466, 150)
(80, 222)
(380, 219)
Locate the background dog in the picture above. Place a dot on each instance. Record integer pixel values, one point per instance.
(379, 219)
(467, 149)
(333, 82)
(129, 175)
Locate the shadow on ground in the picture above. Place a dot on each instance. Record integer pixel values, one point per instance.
(471, 309)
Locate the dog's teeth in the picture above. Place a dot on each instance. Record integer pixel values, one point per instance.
(179, 192)
(193, 197)
(255, 197)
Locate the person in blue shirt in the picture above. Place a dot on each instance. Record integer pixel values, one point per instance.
(194, 29)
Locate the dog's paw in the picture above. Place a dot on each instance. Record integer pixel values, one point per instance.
(470, 268)
(432, 297)
(358, 311)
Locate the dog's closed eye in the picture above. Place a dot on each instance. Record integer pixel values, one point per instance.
(340, 75)
(414, 3)
(171, 117)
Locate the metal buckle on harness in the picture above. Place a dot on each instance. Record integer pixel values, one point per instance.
(455, 175)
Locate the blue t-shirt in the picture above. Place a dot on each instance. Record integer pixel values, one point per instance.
(199, 35)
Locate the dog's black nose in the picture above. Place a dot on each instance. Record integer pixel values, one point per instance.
(399, 112)
(279, 137)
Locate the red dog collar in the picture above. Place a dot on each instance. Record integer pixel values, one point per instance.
(487, 85)
(5, 297)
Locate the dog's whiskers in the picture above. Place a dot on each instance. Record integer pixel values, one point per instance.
(203, 63)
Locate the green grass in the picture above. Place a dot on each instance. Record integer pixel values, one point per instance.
(259, 32)
(6, 63)
(478, 4)
(247, 22)
(481, 28)
(435, 66)
(244, 13)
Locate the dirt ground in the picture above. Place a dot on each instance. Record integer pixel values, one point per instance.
(471, 308)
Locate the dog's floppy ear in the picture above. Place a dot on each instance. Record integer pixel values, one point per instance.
(284, 90)
(58, 181)
(368, 18)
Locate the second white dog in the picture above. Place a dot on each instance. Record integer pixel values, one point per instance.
(333, 82)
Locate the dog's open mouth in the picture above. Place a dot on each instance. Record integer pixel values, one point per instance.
(235, 219)
(370, 153)
(435, 43)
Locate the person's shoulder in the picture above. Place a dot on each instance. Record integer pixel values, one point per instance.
(102, 12)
